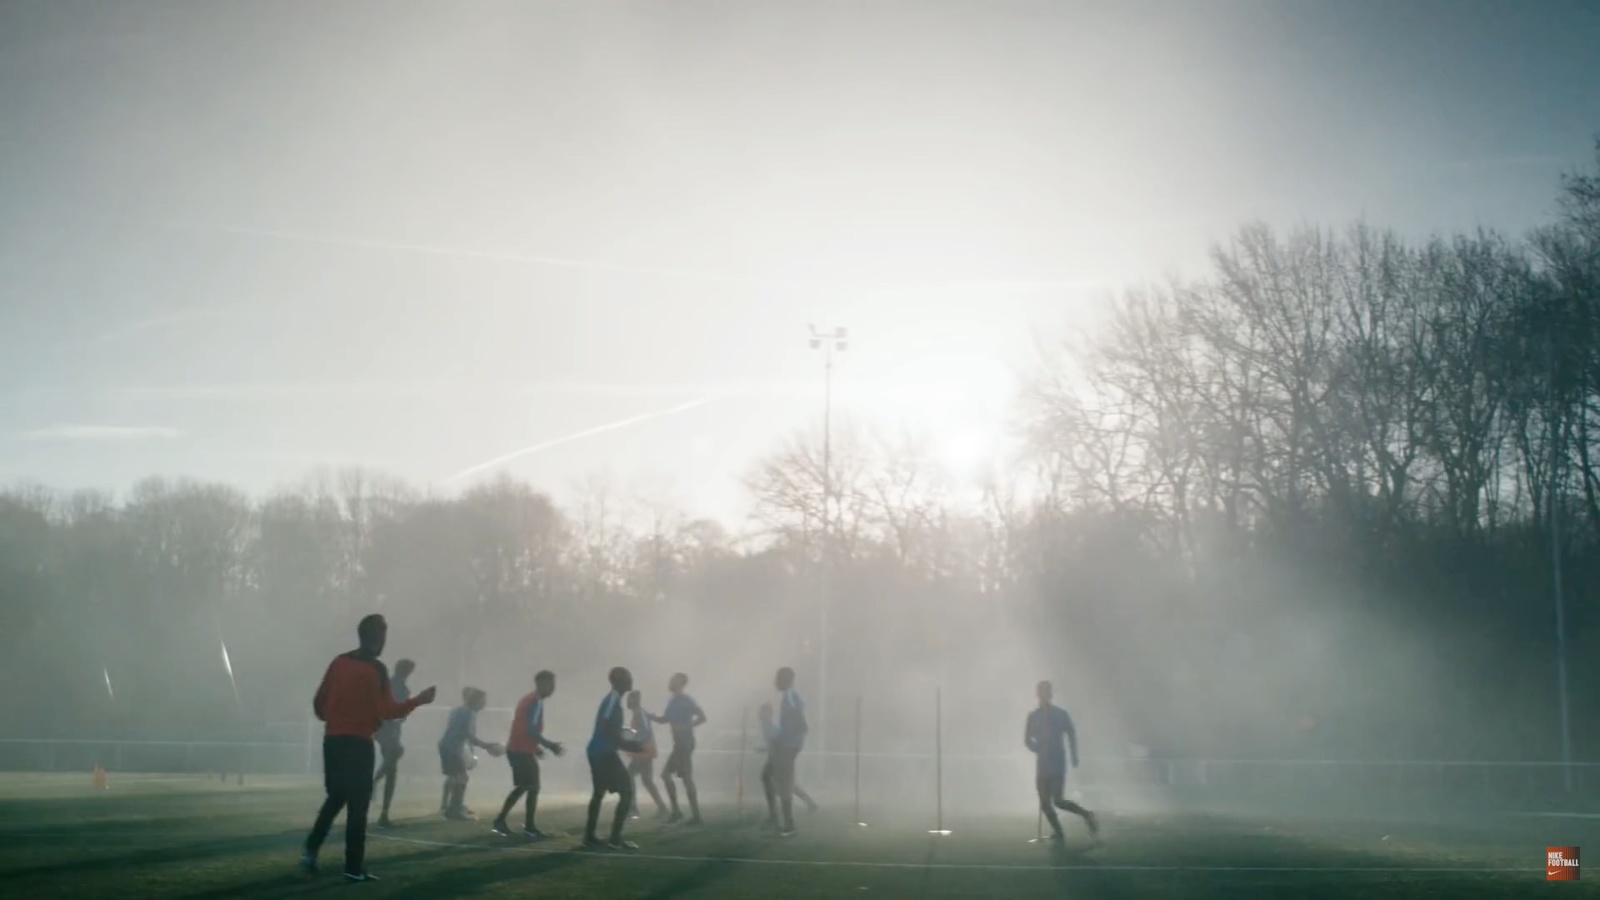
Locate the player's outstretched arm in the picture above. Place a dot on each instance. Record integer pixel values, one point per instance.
(539, 738)
(1028, 738)
(388, 708)
(1072, 737)
(490, 747)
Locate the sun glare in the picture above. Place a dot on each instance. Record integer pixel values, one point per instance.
(965, 452)
(957, 401)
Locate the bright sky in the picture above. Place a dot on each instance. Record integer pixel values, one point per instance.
(239, 240)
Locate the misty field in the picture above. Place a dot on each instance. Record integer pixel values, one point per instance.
(194, 837)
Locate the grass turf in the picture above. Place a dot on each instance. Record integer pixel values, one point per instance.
(196, 838)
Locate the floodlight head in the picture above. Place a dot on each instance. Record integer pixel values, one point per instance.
(841, 333)
(842, 345)
(816, 344)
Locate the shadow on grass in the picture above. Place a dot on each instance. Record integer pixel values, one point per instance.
(481, 875)
(699, 877)
(162, 855)
(292, 882)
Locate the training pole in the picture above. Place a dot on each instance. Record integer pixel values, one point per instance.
(938, 753)
(858, 763)
(744, 717)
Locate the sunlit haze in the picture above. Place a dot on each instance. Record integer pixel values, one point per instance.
(242, 241)
(1232, 366)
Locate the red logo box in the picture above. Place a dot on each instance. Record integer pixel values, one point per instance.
(1561, 864)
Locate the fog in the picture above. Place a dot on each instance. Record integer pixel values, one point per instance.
(1191, 368)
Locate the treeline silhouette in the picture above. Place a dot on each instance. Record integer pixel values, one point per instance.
(1313, 503)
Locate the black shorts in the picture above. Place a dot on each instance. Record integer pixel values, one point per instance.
(642, 765)
(609, 775)
(780, 767)
(452, 763)
(680, 762)
(524, 770)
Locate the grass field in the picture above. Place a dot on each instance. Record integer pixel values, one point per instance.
(194, 837)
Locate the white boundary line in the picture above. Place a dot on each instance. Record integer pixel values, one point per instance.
(1557, 815)
(879, 864)
(987, 867)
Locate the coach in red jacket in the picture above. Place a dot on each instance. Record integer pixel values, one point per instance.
(354, 700)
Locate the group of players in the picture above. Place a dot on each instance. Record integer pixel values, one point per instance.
(359, 702)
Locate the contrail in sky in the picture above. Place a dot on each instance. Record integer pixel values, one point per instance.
(336, 240)
(665, 271)
(176, 318)
(587, 432)
(470, 253)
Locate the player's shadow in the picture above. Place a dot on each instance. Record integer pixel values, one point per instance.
(103, 831)
(1076, 876)
(292, 882)
(699, 877)
(482, 876)
(161, 855)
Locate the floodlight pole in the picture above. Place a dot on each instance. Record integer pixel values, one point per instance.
(829, 341)
(1557, 459)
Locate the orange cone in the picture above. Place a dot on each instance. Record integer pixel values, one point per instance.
(98, 779)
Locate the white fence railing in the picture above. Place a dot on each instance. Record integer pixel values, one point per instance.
(898, 779)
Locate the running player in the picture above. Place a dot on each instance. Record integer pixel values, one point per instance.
(455, 752)
(606, 770)
(353, 700)
(523, 748)
(684, 715)
(769, 736)
(643, 764)
(389, 741)
(1043, 734)
(777, 776)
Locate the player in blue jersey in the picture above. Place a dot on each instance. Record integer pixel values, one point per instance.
(388, 739)
(684, 715)
(606, 770)
(1050, 735)
(643, 763)
(455, 752)
(769, 736)
(777, 776)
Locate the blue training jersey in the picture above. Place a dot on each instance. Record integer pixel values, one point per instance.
(461, 730)
(607, 726)
(1049, 734)
(792, 725)
(680, 713)
(389, 731)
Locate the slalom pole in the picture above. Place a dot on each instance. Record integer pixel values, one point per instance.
(744, 717)
(938, 760)
(859, 823)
